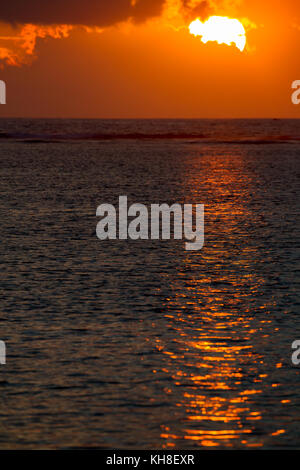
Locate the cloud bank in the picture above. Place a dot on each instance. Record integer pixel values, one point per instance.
(23, 23)
(78, 12)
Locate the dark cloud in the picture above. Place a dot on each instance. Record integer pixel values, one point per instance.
(192, 10)
(78, 12)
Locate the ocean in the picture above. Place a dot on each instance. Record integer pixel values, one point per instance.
(141, 344)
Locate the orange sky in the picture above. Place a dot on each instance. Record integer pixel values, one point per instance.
(149, 66)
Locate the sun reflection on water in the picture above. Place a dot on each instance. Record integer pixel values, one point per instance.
(212, 358)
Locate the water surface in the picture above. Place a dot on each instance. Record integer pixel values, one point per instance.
(141, 344)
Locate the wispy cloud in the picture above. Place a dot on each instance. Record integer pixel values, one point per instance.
(23, 23)
(17, 48)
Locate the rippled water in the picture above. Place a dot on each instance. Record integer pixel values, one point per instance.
(141, 344)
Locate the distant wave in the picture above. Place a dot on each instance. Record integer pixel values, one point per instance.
(189, 137)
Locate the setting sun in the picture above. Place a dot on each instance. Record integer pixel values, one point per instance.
(222, 29)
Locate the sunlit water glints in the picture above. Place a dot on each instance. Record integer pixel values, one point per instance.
(142, 344)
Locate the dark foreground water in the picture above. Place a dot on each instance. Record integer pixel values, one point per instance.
(141, 344)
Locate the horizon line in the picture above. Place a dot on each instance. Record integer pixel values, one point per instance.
(152, 118)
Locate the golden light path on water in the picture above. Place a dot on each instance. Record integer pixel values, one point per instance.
(212, 359)
(221, 29)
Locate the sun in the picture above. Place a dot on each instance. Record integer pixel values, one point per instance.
(222, 29)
